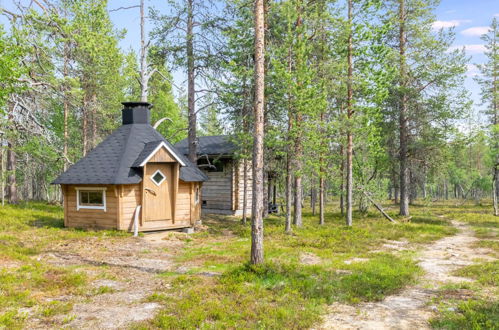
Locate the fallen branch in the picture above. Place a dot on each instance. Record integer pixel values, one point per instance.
(380, 209)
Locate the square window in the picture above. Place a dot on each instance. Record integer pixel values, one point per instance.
(158, 177)
(91, 198)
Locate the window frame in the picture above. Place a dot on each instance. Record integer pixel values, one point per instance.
(154, 174)
(196, 195)
(91, 207)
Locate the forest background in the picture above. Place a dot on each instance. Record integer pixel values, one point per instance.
(332, 74)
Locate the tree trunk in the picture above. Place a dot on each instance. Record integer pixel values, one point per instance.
(84, 127)
(297, 220)
(349, 183)
(495, 105)
(321, 200)
(495, 190)
(266, 194)
(2, 166)
(403, 156)
(257, 207)
(289, 191)
(397, 195)
(245, 190)
(423, 187)
(313, 199)
(342, 184)
(289, 169)
(11, 174)
(298, 152)
(321, 172)
(65, 108)
(144, 81)
(94, 121)
(192, 139)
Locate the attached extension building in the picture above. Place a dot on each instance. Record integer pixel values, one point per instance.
(224, 192)
(133, 172)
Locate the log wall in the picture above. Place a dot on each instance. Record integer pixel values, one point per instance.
(88, 218)
(240, 187)
(217, 191)
(121, 203)
(131, 196)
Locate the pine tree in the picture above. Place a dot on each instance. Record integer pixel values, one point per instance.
(489, 81)
(258, 136)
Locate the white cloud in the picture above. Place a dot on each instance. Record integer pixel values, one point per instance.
(475, 31)
(496, 15)
(470, 49)
(448, 24)
(472, 70)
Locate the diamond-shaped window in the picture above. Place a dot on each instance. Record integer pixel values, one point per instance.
(158, 177)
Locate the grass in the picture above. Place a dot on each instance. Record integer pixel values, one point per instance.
(220, 290)
(26, 281)
(486, 273)
(469, 314)
(276, 295)
(285, 292)
(482, 310)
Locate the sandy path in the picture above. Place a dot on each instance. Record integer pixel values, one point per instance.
(409, 308)
(131, 265)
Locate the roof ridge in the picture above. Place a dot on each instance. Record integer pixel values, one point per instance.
(124, 150)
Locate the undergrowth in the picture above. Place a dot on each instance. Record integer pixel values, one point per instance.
(350, 265)
(26, 281)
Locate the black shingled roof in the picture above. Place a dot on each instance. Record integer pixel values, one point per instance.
(209, 145)
(115, 160)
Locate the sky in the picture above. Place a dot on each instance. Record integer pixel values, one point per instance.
(469, 19)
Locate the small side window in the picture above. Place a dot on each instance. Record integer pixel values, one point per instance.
(196, 195)
(89, 198)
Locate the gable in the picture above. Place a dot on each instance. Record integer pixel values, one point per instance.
(162, 155)
(157, 151)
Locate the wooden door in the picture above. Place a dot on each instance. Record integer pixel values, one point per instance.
(158, 187)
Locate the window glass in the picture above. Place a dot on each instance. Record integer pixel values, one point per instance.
(89, 197)
(158, 177)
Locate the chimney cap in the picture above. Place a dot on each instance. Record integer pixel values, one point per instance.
(134, 104)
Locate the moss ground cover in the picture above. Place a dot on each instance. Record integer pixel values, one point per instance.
(26, 230)
(304, 272)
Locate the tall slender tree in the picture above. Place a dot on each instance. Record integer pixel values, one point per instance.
(489, 81)
(349, 153)
(258, 136)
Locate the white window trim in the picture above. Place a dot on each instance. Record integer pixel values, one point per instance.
(90, 207)
(164, 145)
(156, 183)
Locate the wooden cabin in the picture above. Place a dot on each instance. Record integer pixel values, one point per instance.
(223, 193)
(134, 172)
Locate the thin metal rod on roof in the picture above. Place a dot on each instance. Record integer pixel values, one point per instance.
(160, 121)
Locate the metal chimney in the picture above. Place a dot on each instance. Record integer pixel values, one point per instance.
(136, 113)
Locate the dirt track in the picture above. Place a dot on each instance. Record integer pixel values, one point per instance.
(410, 309)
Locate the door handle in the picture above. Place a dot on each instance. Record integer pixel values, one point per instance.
(150, 190)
